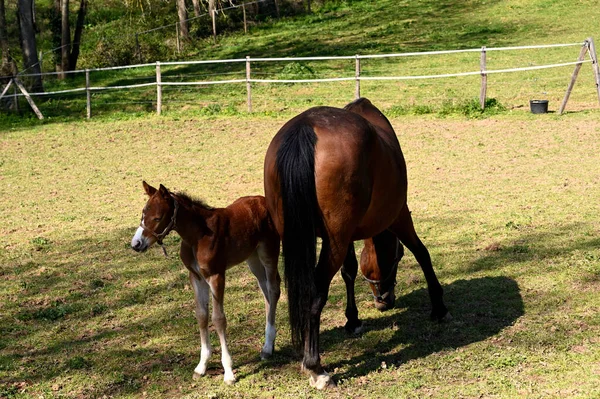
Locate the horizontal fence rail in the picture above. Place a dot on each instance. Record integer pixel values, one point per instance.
(159, 81)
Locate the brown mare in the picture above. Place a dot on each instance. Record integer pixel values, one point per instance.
(213, 240)
(338, 174)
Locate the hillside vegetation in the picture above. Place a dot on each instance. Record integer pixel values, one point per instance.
(340, 28)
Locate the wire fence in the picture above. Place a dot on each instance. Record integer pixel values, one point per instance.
(401, 80)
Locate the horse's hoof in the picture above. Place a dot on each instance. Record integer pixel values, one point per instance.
(446, 318)
(354, 328)
(323, 381)
(442, 316)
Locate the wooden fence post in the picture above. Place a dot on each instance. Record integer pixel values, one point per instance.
(88, 94)
(594, 57)
(245, 23)
(357, 76)
(584, 49)
(28, 98)
(482, 66)
(16, 98)
(10, 82)
(158, 89)
(248, 85)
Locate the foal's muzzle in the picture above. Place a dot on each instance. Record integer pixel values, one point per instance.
(139, 243)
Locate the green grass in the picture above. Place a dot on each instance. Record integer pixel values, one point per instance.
(505, 204)
(360, 27)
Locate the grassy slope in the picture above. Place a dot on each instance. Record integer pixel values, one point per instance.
(502, 204)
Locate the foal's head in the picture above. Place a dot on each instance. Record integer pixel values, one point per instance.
(379, 268)
(158, 218)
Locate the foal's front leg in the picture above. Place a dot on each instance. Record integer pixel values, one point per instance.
(217, 287)
(201, 293)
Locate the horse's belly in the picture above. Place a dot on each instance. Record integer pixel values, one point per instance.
(383, 210)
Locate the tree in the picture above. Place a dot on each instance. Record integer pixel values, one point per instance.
(196, 4)
(183, 23)
(3, 36)
(70, 50)
(28, 44)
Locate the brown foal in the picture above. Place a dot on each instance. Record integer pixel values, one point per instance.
(213, 240)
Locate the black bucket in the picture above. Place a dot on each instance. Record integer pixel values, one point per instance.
(538, 106)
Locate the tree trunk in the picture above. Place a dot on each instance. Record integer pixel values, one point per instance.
(307, 5)
(3, 37)
(77, 35)
(65, 42)
(196, 4)
(183, 23)
(212, 8)
(28, 45)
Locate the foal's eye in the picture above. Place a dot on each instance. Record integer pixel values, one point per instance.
(156, 219)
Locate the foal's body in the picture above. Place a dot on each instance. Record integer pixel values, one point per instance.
(213, 240)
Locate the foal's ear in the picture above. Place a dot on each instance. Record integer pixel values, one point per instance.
(148, 188)
(164, 192)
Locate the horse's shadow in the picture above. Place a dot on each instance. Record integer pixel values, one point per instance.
(481, 308)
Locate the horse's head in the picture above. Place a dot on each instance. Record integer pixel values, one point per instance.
(379, 269)
(158, 218)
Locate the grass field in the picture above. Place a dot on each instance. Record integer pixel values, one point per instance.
(508, 207)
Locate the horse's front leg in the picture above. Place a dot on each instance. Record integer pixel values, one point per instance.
(349, 271)
(217, 287)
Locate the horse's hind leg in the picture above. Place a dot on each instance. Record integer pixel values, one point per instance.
(263, 264)
(403, 227)
(330, 261)
(216, 283)
(349, 271)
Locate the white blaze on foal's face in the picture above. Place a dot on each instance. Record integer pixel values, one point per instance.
(153, 219)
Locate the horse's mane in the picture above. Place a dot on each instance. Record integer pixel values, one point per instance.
(192, 202)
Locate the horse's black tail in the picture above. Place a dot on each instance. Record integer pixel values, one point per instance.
(301, 218)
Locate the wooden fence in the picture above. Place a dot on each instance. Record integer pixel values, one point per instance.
(587, 47)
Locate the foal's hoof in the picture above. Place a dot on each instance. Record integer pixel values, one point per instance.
(229, 381)
(197, 375)
(323, 381)
(265, 355)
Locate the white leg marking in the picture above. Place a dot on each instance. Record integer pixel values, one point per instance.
(201, 294)
(267, 349)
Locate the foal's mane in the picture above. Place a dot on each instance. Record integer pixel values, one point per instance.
(191, 202)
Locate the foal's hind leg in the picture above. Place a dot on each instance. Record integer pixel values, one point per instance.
(263, 264)
(403, 227)
(349, 271)
(216, 283)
